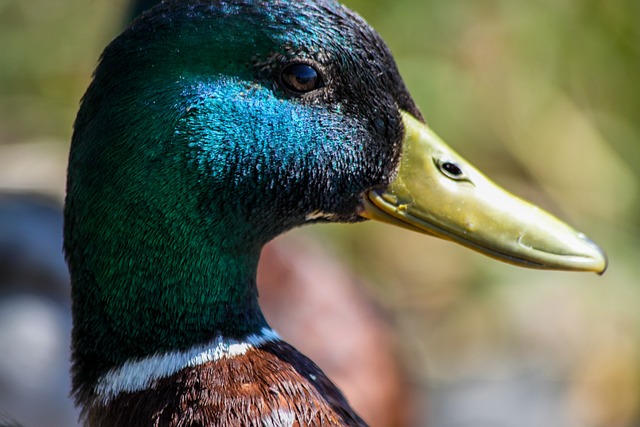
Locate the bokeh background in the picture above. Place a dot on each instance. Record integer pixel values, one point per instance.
(542, 95)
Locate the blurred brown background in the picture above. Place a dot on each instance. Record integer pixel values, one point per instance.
(542, 95)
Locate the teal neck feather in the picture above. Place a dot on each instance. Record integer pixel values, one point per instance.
(172, 242)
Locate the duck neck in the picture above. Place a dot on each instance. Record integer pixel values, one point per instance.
(177, 295)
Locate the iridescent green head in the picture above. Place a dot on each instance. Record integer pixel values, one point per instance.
(210, 128)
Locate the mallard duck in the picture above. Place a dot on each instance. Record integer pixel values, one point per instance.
(209, 128)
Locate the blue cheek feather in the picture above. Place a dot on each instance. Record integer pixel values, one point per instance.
(243, 134)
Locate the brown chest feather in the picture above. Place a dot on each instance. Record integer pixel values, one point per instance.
(273, 385)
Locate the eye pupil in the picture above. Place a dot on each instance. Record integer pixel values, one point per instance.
(300, 78)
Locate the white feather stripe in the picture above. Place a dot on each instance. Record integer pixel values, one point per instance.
(137, 375)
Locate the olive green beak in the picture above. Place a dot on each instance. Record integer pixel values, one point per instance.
(437, 192)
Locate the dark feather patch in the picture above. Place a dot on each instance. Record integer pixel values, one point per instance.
(273, 385)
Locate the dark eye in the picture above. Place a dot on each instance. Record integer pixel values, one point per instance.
(451, 170)
(300, 78)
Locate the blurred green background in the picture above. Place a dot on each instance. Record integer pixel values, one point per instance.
(542, 95)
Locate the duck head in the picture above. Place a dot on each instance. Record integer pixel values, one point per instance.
(212, 127)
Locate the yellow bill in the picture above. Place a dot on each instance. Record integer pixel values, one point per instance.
(437, 192)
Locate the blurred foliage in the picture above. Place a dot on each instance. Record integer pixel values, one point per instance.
(543, 95)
